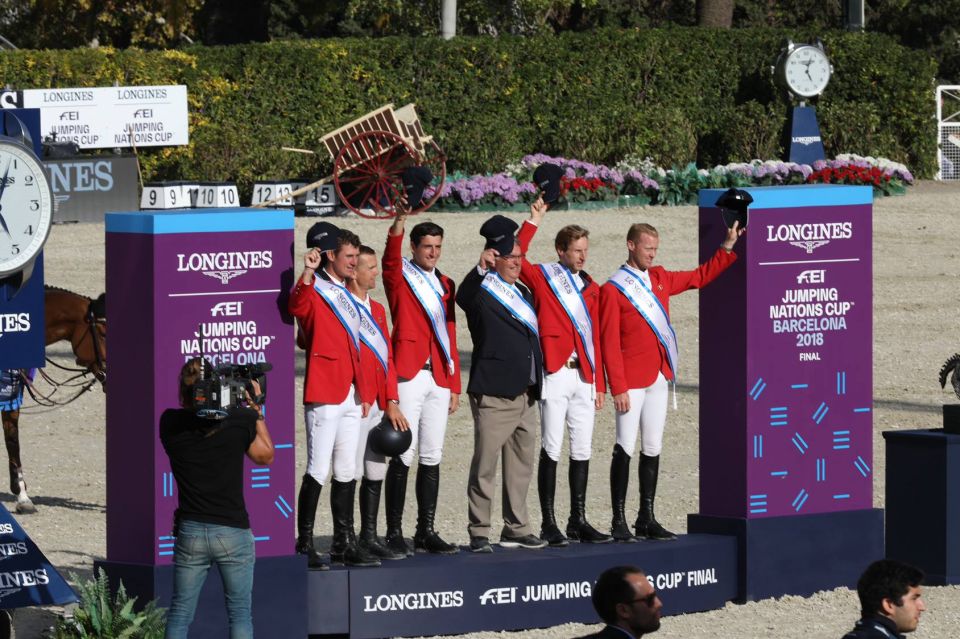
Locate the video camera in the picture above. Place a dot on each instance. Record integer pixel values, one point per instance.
(223, 387)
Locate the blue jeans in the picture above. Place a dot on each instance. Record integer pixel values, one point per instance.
(199, 546)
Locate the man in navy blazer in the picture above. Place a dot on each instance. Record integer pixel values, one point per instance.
(506, 373)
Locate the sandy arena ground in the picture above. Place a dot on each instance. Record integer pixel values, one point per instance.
(916, 298)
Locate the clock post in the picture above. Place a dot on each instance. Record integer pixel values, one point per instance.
(804, 71)
(26, 211)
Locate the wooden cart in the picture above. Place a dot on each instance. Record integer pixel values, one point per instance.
(369, 156)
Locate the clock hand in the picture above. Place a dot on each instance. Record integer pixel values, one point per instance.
(3, 223)
(3, 187)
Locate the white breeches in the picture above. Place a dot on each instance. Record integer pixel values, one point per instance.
(425, 405)
(567, 400)
(370, 464)
(332, 433)
(647, 414)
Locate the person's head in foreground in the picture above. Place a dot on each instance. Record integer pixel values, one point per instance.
(624, 598)
(890, 590)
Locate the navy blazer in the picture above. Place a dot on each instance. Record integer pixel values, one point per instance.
(504, 350)
(608, 632)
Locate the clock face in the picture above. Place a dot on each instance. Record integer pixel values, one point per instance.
(26, 207)
(807, 71)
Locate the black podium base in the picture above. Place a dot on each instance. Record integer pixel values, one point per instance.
(279, 596)
(923, 506)
(512, 589)
(799, 555)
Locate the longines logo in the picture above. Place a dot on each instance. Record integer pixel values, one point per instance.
(805, 140)
(224, 265)
(413, 601)
(12, 549)
(810, 236)
(16, 580)
(14, 323)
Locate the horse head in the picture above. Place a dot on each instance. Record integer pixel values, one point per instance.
(89, 340)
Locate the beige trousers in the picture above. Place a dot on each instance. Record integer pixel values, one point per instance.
(504, 428)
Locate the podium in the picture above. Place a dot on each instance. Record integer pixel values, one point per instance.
(923, 511)
(786, 431)
(182, 284)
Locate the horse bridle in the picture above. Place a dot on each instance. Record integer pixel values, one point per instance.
(92, 322)
(100, 374)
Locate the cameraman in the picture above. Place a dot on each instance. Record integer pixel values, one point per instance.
(211, 523)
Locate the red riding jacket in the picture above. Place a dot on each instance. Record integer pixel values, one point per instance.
(558, 337)
(632, 354)
(333, 363)
(413, 338)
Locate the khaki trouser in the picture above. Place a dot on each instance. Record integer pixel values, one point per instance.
(507, 428)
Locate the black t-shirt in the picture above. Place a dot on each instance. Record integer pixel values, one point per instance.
(207, 460)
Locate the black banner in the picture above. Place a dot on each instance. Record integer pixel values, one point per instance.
(517, 589)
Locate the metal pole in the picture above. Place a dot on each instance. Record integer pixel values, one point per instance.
(854, 20)
(448, 19)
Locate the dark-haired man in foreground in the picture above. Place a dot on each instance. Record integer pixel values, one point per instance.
(627, 603)
(890, 601)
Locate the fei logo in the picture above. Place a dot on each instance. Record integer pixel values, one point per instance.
(227, 309)
(816, 276)
(495, 596)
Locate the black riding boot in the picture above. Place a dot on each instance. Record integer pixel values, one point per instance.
(619, 479)
(547, 488)
(306, 514)
(578, 528)
(647, 525)
(396, 495)
(427, 539)
(344, 548)
(369, 505)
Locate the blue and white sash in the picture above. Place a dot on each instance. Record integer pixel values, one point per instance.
(432, 302)
(372, 337)
(340, 301)
(649, 307)
(571, 299)
(511, 298)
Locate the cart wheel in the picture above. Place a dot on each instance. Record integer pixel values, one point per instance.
(435, 160)
(368, 173)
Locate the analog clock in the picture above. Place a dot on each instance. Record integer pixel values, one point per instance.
(804, 69)
(26, 207)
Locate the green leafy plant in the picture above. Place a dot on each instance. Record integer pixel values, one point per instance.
(102, 616)
(677, 95)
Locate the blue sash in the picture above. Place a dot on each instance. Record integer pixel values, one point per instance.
(340, 301)
(571, 299)
(372, 337)
(431, 300)
(510, 297)
(650, 308)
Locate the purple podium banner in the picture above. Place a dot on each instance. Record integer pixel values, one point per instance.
(786, 356)
(182, 284)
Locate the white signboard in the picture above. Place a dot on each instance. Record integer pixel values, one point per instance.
(106, 117)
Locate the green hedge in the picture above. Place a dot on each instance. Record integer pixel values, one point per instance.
(678, 94)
